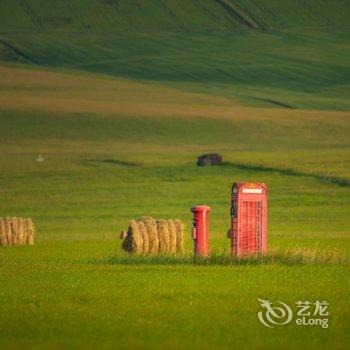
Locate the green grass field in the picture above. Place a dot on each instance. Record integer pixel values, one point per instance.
(120, 98)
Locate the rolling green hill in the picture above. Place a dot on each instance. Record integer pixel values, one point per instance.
(286, 53)
(124, 138)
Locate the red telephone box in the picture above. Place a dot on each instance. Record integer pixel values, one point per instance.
(248, 218)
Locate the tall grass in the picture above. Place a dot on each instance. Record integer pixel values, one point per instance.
(303, 256)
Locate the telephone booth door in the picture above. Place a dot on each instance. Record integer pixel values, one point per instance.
(248, 218)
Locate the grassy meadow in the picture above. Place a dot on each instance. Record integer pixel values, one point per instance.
(110, 155)
(120, 98)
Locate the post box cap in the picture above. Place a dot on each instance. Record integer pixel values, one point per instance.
(198, 208)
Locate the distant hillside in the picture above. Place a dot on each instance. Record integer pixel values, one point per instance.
(115, 15)
(291, 53)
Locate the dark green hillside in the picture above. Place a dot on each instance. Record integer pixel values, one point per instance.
(291, 13)
(115, 15)
(112, 15)
(291, 53)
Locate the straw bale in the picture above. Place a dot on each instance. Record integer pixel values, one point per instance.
(144, 234)
(21, 231)
(163, 236)
(136, 237)
(8, 231)
(172, 237)
(152, 231)
(149, 236)
(180, 234)
(15, 233)
(30, 231)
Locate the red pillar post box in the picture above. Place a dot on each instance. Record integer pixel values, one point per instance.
(200, 230)
(248, 218)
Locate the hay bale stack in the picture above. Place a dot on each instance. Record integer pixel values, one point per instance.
(30, 231)
(21, 231)
(14, 228)
(16, 231)
(163, 236)
(144, 235)
(180, 235)
(149, 236)
(152, 231)
(8, 231)
(135, 238)
(172, 237)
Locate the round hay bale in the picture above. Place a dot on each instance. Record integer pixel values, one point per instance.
(172, 237)
(3, 237)
(8, 227)
(180, 234)
(30, 231)
(145, 239)
(15, 233)
(152, 231)
(163, 236)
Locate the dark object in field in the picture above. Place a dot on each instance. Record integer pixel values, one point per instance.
(149, 236)
(209, 159)
(16, 231)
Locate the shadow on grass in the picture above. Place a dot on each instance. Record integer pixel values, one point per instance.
(114, 162)
(270, 101)
(288, 171)
(288, 257)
